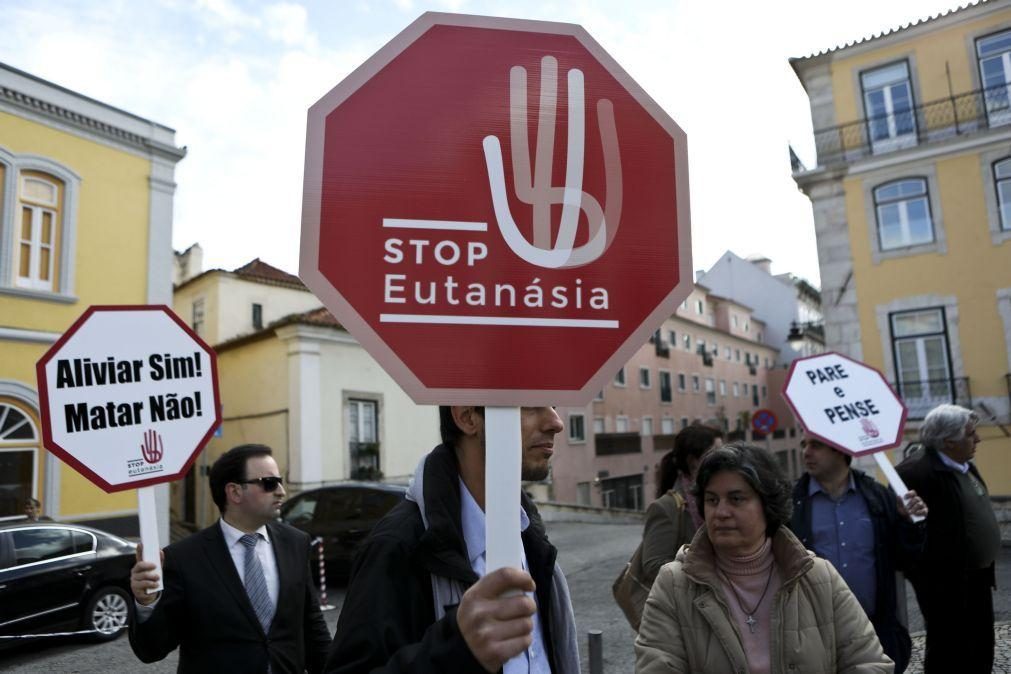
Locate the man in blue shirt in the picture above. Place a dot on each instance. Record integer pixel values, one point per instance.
(859, 525)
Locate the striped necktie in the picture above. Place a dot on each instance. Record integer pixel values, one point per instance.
(256, 586)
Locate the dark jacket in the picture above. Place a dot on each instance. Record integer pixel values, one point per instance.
(387, 622)
(898, 546)
(937, 485)
(205, 612)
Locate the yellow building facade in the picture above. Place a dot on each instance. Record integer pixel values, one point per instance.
(912, 207)
(86, 196)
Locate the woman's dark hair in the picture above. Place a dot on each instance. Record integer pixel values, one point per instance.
(762, 473)
(447, 427)
(691, 441)
(231, 467)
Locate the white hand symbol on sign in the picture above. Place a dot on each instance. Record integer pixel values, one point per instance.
(538, 191)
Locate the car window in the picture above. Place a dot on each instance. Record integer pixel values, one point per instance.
(302, 509)
(83, 542)
(6, 550)
(36, 545)
(375, 504)
(339, 504)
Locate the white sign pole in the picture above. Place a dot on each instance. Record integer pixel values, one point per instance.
(502, 468)
(895, 480)
(148, 513)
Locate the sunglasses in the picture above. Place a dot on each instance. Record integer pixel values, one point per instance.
(269, 484)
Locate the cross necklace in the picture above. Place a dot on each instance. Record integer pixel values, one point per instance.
(750, 620)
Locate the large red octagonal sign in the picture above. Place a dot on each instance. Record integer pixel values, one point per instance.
(496, 211)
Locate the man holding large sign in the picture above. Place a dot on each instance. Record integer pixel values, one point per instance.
(845, 516)
(129, 397)
(480, 265)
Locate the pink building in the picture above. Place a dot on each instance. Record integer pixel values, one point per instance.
(707, 363)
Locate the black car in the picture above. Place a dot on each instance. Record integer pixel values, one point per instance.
(63, 577)
(342, 515)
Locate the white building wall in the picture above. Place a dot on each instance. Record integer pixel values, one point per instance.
(773, 301)
(235, 310)
(406, 430)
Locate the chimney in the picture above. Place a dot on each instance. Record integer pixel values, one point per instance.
(762, 262)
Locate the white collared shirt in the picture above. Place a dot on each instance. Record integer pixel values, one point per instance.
(264, 551)
(535, 659)
(963, 468)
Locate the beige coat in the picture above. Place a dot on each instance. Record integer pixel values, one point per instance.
(817, 625)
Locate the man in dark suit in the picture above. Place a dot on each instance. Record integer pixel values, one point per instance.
(220, 605)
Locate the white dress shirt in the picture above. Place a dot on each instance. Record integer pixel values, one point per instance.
(534, 660)
(264, 551)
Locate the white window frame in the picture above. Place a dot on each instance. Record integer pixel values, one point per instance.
(999, 116)
(581, 437)
(667, 426)
(902, 205)
(619, 377)
(64, 261)
(621, 424)
(1003, 204)
(38, 211)
(670, 381)
(682, 382)
(647, 426)
(599, 425)
(645, 381)
(895, 139)
(710, 389)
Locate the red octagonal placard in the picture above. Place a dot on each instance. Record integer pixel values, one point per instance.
(496, 211)
(128, 396)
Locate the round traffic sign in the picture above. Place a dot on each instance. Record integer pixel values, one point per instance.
(764, 421)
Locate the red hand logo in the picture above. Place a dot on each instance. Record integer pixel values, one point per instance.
(152, 448)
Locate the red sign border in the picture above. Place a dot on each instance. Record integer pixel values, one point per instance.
(43, 387)
(902, 422)
(358, 327)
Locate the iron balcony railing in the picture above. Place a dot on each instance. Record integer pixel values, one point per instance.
(935, 121)
(921, 396)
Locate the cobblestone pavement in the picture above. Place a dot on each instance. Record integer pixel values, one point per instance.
(591, 556)
(1001, 656)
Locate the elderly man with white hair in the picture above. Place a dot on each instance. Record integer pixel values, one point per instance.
(955, 581)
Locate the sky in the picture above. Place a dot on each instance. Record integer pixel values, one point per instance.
(235, 78)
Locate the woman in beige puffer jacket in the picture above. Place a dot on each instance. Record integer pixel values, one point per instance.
(814, 623)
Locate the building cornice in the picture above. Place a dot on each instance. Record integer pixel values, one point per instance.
(968, 12)
(29, 100)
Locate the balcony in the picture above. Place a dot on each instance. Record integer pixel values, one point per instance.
(924, 395)
(617, 443)
(663, 442)
(662, 348)
(813, 330)
(939, 120)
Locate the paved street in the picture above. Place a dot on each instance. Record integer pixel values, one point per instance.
(590, 555)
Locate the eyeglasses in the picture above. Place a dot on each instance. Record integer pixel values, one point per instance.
(269, 484)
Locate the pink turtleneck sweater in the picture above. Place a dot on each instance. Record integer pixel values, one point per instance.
(749, 575)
